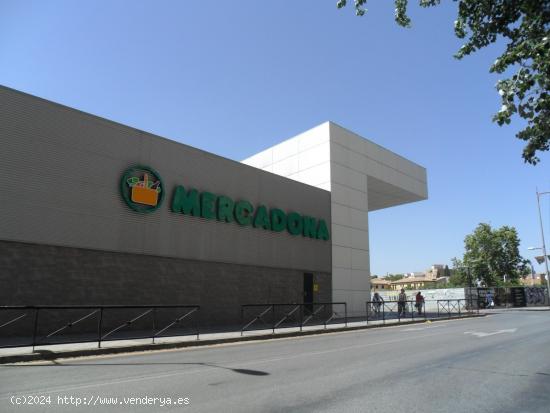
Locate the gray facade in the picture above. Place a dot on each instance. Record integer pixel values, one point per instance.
(67, 236)
(50, 275)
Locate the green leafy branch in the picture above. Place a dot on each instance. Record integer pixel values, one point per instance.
(525, 27)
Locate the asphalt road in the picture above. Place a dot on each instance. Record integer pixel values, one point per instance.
(499, 364)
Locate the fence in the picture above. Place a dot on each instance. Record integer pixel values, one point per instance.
(511, 296)
(398, 310)
(458, 307)
(32, 325)
(273, 316)
(45, 325)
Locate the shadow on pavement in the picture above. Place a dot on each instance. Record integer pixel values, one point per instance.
(61, 364)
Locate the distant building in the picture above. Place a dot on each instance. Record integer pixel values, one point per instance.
(416, 280)
(413, 283)
(535, 279)
(435, 272)
(417, 274)
(379, 284)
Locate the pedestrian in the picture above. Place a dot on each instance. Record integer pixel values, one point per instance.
(377, 302)
(401, 303)
(489, 299)
(419, 302)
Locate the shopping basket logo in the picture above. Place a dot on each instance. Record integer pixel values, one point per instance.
(142, 188)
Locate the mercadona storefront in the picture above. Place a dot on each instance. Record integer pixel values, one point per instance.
(95, 212)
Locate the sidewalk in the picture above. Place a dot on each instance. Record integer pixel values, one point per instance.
(506, 309)
(56, 351)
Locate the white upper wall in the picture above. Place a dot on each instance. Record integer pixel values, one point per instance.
(303, 158)
(391, 179)
(361, 177)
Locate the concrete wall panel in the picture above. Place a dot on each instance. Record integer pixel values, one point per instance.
(35, 274)
(60, 170)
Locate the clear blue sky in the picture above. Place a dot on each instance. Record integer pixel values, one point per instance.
(234, 78)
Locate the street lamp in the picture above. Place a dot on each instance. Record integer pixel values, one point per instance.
(545, 260)
(543, 244)
(533, 272)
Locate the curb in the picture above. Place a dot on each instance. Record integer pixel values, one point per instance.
(514, 310)
(47, 355)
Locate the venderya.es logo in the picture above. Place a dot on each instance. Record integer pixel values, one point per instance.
(142, 188)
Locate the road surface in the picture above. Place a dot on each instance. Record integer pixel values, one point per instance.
(499, 363)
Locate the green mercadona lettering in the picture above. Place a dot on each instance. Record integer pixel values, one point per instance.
(223, 208)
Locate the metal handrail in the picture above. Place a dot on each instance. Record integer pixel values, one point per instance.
(382, 310)
(126, 323)
(72, 323)
(176, 321)
(77, 307)
(294, 308)
(97, 309)
(313, 313)
(287, 315)
(258, 317)
(456, 305)
(14, 320)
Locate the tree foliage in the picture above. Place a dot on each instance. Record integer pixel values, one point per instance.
(491, 255)
(394, 277)
(459, 276)
(525, 27)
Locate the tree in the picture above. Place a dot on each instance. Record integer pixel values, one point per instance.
(459, 277)
(491, 255)
(525, 26)
(393, 277)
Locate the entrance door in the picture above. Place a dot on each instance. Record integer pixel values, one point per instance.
(308, 291)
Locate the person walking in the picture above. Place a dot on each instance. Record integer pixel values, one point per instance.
(401, 303)
(490, 302)
(377, 303)
(419, 302)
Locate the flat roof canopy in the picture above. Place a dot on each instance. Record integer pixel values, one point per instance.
(350, 166)
(384, 195)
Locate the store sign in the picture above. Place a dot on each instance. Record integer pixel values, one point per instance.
(143, 191)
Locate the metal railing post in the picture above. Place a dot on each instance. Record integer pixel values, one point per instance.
(423, 304)
(399, 311)
(197, 328)
(99, 327)
(302, 317)
(242, 318)
(154, 323)
(346, 313)
(35, 329)
(273, 318)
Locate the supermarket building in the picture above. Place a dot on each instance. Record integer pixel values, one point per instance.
(95, 212)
